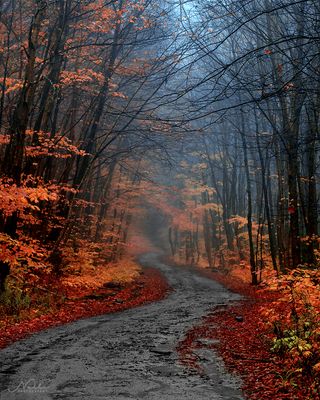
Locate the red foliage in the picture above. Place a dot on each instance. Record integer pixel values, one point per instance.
(150, 286)
(245, 346)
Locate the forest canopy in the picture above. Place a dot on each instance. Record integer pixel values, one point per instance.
(108, 105)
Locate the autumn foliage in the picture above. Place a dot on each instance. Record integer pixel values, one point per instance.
(70, 74)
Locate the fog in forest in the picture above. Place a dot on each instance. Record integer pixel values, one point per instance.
(187, 127)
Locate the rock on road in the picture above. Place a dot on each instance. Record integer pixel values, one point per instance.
(126, 355)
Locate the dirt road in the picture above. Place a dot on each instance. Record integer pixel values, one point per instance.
(127, 355)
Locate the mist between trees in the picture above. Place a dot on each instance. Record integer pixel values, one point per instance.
(206, 112)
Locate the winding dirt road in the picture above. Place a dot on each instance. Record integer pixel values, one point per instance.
(127, 355)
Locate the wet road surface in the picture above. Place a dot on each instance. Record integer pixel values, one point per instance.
(127, 355)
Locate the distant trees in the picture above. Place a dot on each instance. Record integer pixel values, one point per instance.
(255, 101)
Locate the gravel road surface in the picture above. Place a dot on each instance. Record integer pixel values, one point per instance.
(127, 355)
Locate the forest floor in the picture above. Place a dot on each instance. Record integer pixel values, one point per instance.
(176, 348)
